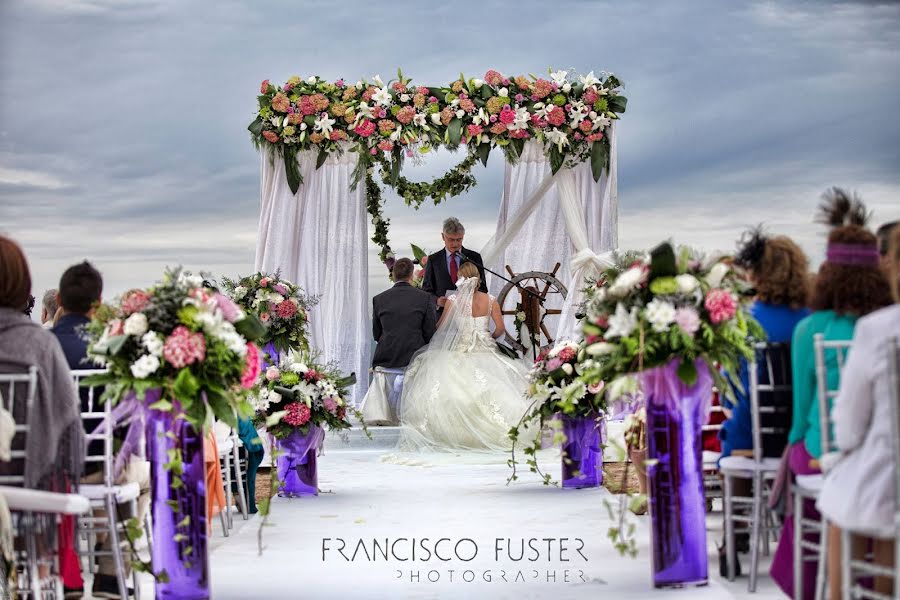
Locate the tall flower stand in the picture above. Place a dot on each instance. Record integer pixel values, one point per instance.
(675, 417)
(296, 466)
(179, 511)
(582, 461)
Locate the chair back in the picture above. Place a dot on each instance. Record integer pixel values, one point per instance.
(18, 387)
(771, 399)
(824, 351)
(894, 373)
(99, 447)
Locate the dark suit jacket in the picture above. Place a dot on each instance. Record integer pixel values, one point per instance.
(403, 320)
(437, 276)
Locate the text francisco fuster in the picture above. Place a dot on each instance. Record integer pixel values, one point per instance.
(444, 549)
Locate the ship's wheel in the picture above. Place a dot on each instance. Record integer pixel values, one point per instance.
(525, 297)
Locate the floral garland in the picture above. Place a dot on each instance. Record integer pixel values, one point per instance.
(570, 116)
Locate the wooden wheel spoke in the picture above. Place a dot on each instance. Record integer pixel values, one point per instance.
(553, 311)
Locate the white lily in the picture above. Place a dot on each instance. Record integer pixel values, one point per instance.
(382, 96)
(522, 119)
(377, 79)
(555, 136)
(589, 80)
(559, 77)
(481, 117)
(324, 123)
(420, 120)
(364, 111)
(436, 118)
(395, 135)
(622, 322)
(601, 122)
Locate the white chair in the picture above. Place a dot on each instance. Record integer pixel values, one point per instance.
(807, 487)
(230, 464)
(712, 483)
(771, 398)
(381, 406)
(851, 568)
(105, 497)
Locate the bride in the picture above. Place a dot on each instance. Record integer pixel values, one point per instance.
(461, 392)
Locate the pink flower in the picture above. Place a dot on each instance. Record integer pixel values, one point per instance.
(595, 137)
(505, 81)
(519, 97)
(422, 90)
(586, 126)
(365, 128)
(720, 305)
(557, 116)
(474, 130)
(578, 135)
(306, 105)
(271, 136)
(288, 87)
(467, 105)
(688, 320)
(264, 86)
(183, 348)
(567, 354)
(229, 309)
(264, 282)
(386, 126)
(492, 77)
(596, 388)
(385, 145)
(423, 261)
(520, 134)
(432, 99)
(497, 128)
(420, 273)
(264, 317)
(330, 405)
(339, 83)
(272, 373)
(134, 302)
(554, 363)
(252, 366)
(406, 114)
(542, 88)
(280, 102)
(116, 327)
(298, 414)
(280, 289)
(286, 309)
(538, 122)
(507, 115)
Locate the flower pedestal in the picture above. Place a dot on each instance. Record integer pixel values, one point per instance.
(582, 461)
(675, 417)
(179, 511)
(296, 464)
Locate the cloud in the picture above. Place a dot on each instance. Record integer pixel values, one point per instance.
(29, 179)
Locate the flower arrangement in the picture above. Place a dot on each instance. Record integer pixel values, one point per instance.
(662, 307)
(299, 393)
(557, 386)
(280, 305)
(182, 337)
(387, 122)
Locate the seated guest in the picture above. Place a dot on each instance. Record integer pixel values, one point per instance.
(80, 289)
(54, 448)
(849, 285)
(858, 493)
(49, 306)
(884, 235)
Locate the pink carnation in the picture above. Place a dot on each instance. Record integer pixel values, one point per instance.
(264, 86)
(272, 373)
(286, 309)
(385, 145)
(298, 414)
(595, 137)
(537, 121)
(720, 305)
(280, 102)
(365, 128)
(252, 366)
(467, 105)
(264, 282)
(339, 83)
(492, 77)
(474, 130)
(557, 116)
(229, 309)
(520, 134)
(586, 126)
(183, 348)
(554, 363)
(422, 90)
(330, 405)
(590, 96)
(688, 320)
(507, 115)
(542, 88)
(134, 302)
(406, 114)
(278, 287)
(566, 354)
(271, 136)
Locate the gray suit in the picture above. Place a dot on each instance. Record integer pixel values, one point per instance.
(403, 320)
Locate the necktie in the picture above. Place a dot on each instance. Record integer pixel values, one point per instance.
(454, 269)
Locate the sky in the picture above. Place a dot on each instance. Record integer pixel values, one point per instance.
(123, 122)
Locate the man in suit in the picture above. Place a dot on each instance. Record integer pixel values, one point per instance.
(403, 319)
(441, 271)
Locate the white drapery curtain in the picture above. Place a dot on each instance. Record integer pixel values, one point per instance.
(318, 239)
(544, 219)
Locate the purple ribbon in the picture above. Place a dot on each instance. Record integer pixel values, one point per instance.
(269, 356)
(296, 466)
(676, 413)
(853, 254)
(132, 411)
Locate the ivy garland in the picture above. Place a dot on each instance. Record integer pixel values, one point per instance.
(454, 182)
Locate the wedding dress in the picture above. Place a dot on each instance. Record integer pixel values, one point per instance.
(461, 392)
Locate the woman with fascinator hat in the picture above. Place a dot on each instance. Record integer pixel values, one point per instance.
(849, 285)
(461, 392)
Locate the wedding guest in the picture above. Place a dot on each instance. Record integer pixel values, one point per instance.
(54, 447)
(442, 269)
(858, 493)
(884, 234)
(849, 285)
(403, 319)
(49, 306)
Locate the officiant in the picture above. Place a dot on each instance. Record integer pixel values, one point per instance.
(442, 269)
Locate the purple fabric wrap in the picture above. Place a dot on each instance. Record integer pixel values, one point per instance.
(582, 462)
(179, 514)
(297, 464)
(675, 417)
(132, 411)
(853, 254)
(269, 356)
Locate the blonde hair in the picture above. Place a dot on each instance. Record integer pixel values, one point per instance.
(468, 269)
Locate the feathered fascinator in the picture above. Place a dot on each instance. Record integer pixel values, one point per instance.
(838, 209)
(751, 248)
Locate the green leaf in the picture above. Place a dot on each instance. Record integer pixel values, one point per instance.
(218, 401)
(487, 91)
(617, 103)
(662, 261)
(323, 155)
(556, 159)
(598, 159)
(418, 253)
(186, 386)
(251, 328)
(98, 380)
(395, 166)
(163, 405)
(256, 126)
(518, 145)
(687, 372)
(115, 344)
(454, 130)
(292, 169)
(484, 150)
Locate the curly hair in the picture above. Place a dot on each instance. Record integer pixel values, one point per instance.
(778, 267)
(846, 288)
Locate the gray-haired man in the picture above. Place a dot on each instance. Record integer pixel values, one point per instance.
(443, 266)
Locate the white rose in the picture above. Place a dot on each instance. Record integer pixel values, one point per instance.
(460, 114)
(144, 366)
(503, 92)
(404, 97)
(717, 274)
(153, 342)
(567, 88)
(686, 283)
(136, 324)
(311, 79)
(627, 281)
(477, 83)
(299, 368)
(567, 369)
